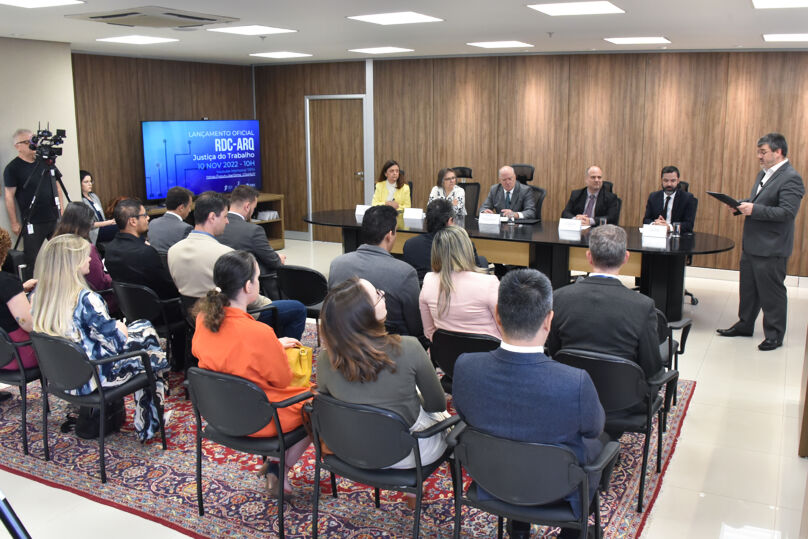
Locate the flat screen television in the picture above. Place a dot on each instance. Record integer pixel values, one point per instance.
(210, 155)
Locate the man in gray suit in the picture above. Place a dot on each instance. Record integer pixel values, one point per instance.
(373, 261)
(510, 197)
(243, 235)
(171, 227)
(768, 239)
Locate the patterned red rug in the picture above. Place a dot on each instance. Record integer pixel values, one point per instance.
(160, 486)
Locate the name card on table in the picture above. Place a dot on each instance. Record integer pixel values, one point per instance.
(360, 211)
(413, 214)
(489, 219)
(654, 242)
(570, 225)
(569, 235)
(654, 231)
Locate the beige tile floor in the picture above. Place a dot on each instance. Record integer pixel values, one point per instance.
(735, 473)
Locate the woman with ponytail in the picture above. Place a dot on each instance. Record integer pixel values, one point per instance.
(229, 340)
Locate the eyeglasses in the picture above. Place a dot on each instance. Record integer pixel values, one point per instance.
(379, 296)
(22, 142)
(138, 216)
(450, 179)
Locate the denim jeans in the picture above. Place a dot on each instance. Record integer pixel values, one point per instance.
(291, 318)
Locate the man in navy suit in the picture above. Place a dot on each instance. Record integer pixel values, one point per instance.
(768, 239)
(509, 197)
(518, 392)
(671, 205)
(591, 203)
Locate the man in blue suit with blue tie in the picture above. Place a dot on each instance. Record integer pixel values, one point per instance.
(518, 392)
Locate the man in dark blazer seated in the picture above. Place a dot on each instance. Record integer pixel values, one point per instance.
(600, 314)
(129, 259)
(171, 227)
(510, 197)
(591, 203)
(518, 392)
(241, 234)
(768, 240)
(397, 279)
(671, 205)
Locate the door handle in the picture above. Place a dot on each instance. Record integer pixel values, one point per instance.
(359, 175)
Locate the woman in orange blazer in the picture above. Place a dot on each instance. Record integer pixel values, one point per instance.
(229, 340)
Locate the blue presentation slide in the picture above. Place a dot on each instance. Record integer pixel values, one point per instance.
(201, 156)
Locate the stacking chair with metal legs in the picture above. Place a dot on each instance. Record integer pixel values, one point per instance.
(20, 377)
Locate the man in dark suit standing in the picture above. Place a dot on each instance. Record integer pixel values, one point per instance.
(591, 203)
(671, 205)
(768, 239)
(600, 314)
(510, 197)
(518, 392)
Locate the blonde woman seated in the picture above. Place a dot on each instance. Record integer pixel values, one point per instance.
(456, 294)
(229, 340)
(448, 189)
(64, 306)
(391, 188)
(361, 363)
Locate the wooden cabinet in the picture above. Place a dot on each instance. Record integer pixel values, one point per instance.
(266, 202)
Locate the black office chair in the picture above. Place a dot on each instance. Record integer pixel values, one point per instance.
(412, 194)
(623, 391)
(669, 347)
(463, 172)
(15, 264)
(619, 209)
(448, 345)
(472, 190)
(524, 173)
(65, 367)
(529, 485)
(306, 285)
(607, 186)
(539, 194)
(268, 283)
(20, 377)
(233, 408)
(138, 302)
(685, 186)
(364, 441)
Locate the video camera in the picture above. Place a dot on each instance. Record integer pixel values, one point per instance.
(45, 143)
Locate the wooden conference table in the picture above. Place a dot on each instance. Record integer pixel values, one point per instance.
(661, 269)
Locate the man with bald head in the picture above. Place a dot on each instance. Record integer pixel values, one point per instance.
(510, 197)
(591, 203)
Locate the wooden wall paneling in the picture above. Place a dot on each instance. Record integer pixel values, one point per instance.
(279, 92)
(532, 124)
(108, 120)
(220, 92)
(766, 92)
(404, 125)
(685, 111)
(335, 78)
(464, 121)
(606, 117)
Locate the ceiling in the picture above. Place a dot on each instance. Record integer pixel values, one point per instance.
(324, 31)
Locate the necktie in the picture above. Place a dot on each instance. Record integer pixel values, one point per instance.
(665, 208)
(590, 206)
(508, 200)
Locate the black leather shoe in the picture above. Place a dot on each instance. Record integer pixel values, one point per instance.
(4, 396)
(770, 344)
(733, 331)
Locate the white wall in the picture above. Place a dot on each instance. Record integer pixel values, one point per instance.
(36, 85)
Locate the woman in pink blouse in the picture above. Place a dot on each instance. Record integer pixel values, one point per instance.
(456, 294)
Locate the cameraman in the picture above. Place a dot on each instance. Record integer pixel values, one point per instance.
(44, 214)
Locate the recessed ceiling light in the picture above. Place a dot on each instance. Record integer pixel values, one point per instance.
(280, 54)
(39, 3)
(401, 17)
(500, 44)
(785, 37)
(380, 50)
(577, 8)
(777, 4)
(254, 30)
(137, 40)
(637, 40)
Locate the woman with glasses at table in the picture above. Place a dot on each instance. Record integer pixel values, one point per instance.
(391, 188)
(447, 188)
(361, 363)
